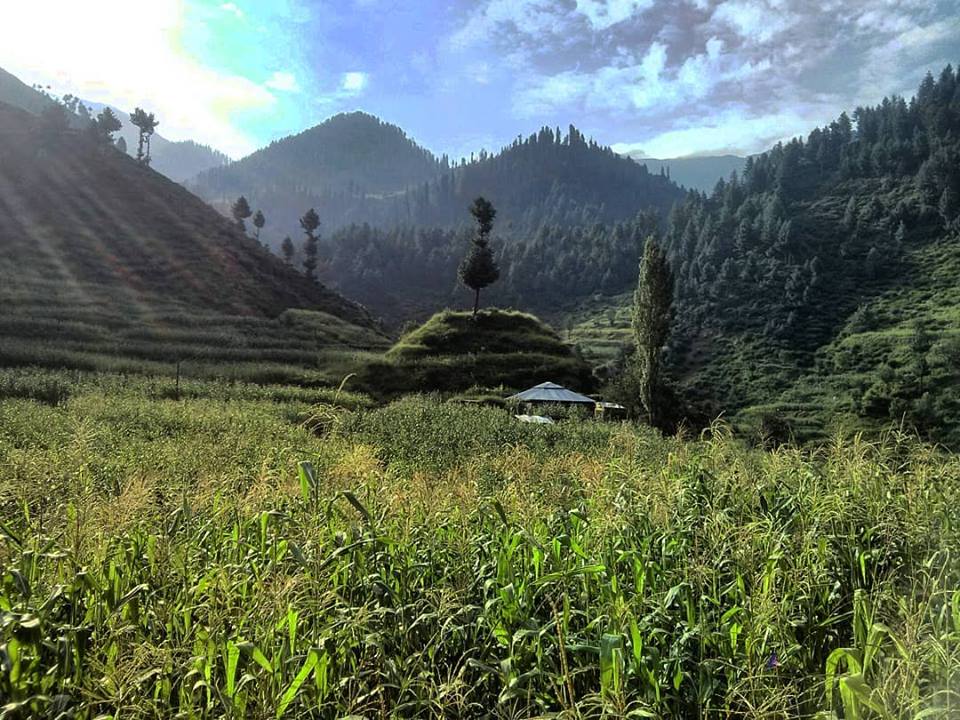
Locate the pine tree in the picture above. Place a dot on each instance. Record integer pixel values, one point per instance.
(258, 222)
(286, 247)
(241, 211)
(652, 316)
(479, 269)
(310, 222)
(147, 124)
(106, 125)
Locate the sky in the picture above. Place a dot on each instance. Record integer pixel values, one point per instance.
(661, 78)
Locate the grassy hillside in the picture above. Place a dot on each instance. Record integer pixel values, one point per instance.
(165, 557)
(107, 264)
(454, 352)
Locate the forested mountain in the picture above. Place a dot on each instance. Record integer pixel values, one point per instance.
(571, 219)
(355, 169)
(826, 277)
(545, 179)
(85, 225)
(344, 167)
(696, 173)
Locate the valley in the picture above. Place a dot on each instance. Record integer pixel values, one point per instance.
(262, 452)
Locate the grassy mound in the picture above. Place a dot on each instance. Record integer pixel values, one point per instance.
(453, 351)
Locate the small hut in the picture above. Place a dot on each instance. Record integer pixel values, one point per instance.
(549, 393)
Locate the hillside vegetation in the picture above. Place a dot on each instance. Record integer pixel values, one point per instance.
(814, 272)
(109, 265)
(162, 557)
(454, 351)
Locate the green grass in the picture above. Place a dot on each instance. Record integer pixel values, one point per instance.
(218, 557)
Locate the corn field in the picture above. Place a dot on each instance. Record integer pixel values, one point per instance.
(205, 558)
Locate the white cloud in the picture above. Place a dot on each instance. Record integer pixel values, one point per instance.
(647, 85)
(754, 20)
(232, 8)
(126, 69)
(354, 82)
(603, 14)
(910, 53)
(734, 131)
(531, 17)
(283, 81)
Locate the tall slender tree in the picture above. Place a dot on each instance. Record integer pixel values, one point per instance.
(288, 250)
(949, 206)
(652, 316)
(241, 211)
(479, 269)
(310, 222)
(147, 124)
(258, 222)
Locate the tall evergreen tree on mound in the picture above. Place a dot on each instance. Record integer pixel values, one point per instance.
(652, 315)
(479, 269)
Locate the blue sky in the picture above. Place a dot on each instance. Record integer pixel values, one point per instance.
(666, 78)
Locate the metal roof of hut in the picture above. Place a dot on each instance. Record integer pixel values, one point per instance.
(549, 392)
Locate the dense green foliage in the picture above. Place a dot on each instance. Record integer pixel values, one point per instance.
(409, 273)
(163, 558)
(825, 246)
(457, 351)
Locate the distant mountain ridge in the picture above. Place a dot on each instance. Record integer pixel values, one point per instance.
(696, 173)
(355, 151)
(346, 168)
(178, 160)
